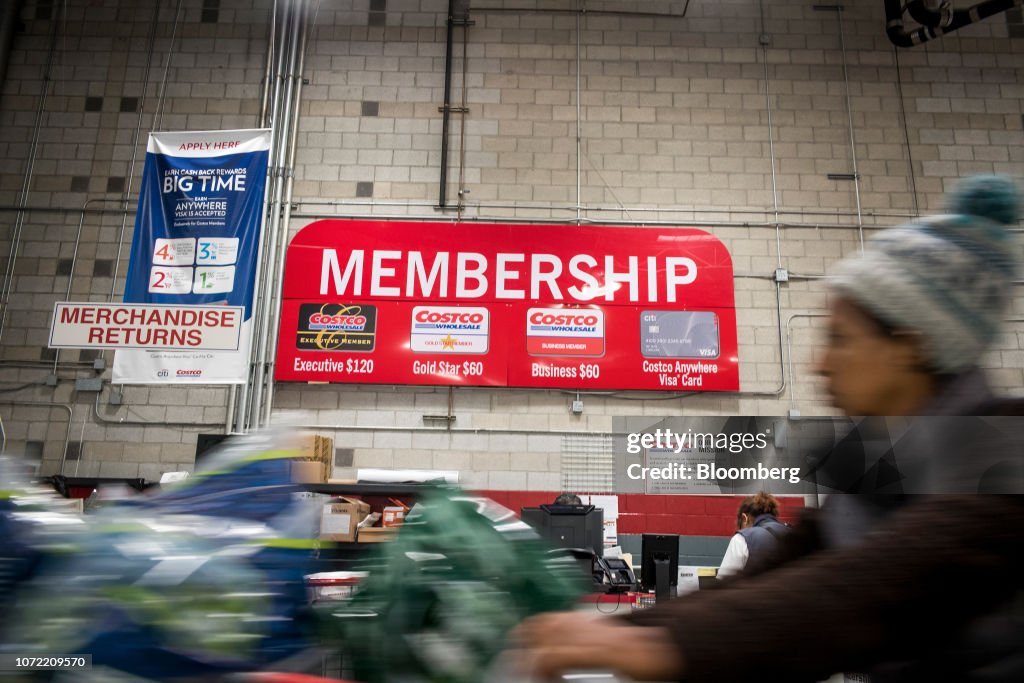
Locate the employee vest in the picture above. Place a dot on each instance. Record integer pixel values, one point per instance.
(763, 538)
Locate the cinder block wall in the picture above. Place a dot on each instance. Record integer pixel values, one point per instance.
(679, 119)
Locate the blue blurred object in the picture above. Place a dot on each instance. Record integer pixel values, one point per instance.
(203, 578)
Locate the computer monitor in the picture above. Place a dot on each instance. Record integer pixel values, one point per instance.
(659, 567)
(568, 526)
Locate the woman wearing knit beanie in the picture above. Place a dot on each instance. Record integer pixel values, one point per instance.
(919, 589)
(913, 315)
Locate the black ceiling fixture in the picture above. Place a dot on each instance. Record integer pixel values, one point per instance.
(935, 18)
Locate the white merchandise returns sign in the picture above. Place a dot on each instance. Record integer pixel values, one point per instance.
(145, 326)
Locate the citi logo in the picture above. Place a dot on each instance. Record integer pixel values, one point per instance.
(162, 373)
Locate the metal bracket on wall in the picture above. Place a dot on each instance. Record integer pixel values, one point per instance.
(450, 417)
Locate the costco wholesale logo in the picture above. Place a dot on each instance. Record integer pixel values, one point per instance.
(565, 332)
(449, 329)
(189, 373)
(336, 327)
(338, 322)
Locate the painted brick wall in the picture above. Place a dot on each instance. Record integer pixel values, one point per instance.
(674, 126)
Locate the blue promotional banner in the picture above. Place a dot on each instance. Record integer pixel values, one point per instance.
(197, 236)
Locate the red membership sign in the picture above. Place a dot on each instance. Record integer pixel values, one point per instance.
(571, 307)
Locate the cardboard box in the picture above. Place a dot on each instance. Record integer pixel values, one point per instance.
(340, 518)
(308, 472)
(394, 516)
(313, 466)
(376, 534)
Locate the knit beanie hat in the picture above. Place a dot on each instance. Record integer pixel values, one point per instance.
(947, 277)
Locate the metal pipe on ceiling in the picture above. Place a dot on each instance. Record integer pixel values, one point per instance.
(639, 223)
(523, 206)
(279, 232)
(277, 290)
(542, 206)
(906, 132)
(7, 208)
(282, 112)
(67, 429)
(838, 9)
(464, 108)
(938, 20)
(151, 44)
(277, 54)
(764, 40)
(579, 116)
(446, 108)
(595, 12)
(268, 76)
(849, 118)
(159, 115)
(145, 423)
(789, 347)
(74, 259)
(237, 399)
